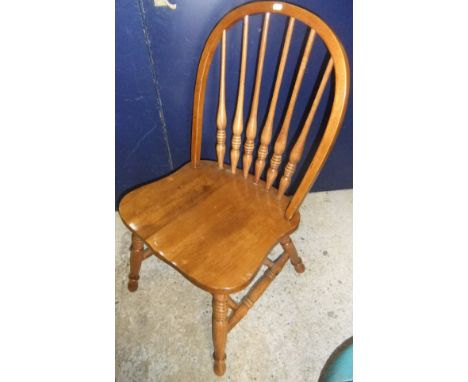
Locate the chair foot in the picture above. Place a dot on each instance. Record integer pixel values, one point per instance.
(220, 329)
(219, 366)
(299, 267)
(295, 259)
(136, 258)
(132, 285)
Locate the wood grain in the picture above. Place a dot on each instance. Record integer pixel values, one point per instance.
(198, 221)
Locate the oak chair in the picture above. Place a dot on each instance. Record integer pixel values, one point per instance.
(217, 225)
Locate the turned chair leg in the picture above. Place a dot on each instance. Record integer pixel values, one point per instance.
(220, 329)
(296, 261)
(136, 258)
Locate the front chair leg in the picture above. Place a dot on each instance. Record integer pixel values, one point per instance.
(220, 329)
(136, 258)
(296, 261)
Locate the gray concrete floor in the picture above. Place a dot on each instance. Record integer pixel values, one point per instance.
(163, 331)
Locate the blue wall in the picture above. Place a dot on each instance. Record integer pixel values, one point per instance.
(157, 53)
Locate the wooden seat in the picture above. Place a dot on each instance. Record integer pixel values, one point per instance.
(197, 220)
(216, 225)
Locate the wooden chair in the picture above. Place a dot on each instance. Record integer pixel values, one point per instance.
(216, 225)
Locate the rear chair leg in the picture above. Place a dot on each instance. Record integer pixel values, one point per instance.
(296, 261)
(136, 258)
(220, 329)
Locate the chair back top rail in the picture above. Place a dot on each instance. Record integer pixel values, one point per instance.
(337, 63)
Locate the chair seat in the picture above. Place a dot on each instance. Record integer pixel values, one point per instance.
(214, 227)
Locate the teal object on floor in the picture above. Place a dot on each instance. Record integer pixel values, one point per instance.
(339, 367)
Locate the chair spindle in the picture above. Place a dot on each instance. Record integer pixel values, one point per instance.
(282, 140)
(257, 290)
(221, 117)
(237, 125)
(298, 148)
(268, 127)
(251, 129)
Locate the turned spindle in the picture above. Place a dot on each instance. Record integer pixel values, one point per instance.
(251, 129)
(298, 149)
(267, 131)
(257, 290)
(220, 329)
(238, 124)
(282, 140)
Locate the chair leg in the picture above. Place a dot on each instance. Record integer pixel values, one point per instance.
(296, 261)
(136, 258)
(220, 329)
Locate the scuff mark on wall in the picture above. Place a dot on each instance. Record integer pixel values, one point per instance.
(137, 145)
(159, 104)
